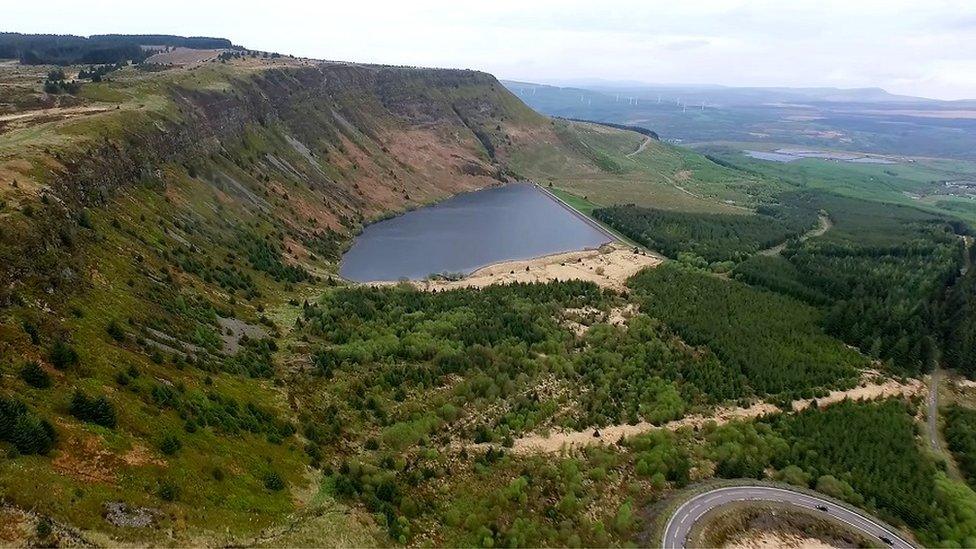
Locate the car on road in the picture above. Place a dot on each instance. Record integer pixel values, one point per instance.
(885, 540)
(822, 508)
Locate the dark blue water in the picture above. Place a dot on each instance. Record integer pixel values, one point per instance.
(466, 232)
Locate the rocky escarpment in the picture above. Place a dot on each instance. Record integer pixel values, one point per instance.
(358, 140)
(167, 205)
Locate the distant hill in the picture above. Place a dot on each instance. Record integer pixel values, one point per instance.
(732, 96)
(862, 119)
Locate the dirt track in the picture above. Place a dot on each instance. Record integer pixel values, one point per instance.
(555, 442)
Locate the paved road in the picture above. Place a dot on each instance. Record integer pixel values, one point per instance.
(680, 525)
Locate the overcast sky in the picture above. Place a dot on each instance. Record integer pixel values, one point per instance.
(923, 47)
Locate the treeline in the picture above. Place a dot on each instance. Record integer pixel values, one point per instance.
(774, 343)
(879, 274)
(880, 467)
(713, 237)
(639, 129)
(960, 434)
(882, 463)
(171, 40)
(23, 429)
(54, 49)
(863, 453)
(958, 319)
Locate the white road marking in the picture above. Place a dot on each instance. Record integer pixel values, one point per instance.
(672, 536)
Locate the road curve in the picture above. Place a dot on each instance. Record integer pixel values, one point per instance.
(684, 518)
(640, 148)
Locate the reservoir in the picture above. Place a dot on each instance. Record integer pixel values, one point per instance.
(466, 232)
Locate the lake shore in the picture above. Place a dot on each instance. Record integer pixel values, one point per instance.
(609, 266)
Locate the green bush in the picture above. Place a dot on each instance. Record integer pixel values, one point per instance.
(62, 355)
(43, 528)
(168, 491)
(93, 410)
(115, 331)
(35, 376)
(24, 430)
(170, 444)
(274, 482)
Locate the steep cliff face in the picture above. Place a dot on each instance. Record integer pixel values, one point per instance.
(157, 239)
(311, 147)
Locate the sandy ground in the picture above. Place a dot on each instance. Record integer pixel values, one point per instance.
(609, 267)
(580, 320)
(611, 434)
(775, 540)
(964, 383)
(555, 442)
(870, 391)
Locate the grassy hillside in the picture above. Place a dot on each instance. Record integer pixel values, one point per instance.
(920, 183)
(159, 231)
(608, 167)
(181, 365)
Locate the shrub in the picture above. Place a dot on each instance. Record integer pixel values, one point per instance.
(115, 331)
(792, 474)
(31, 330)
(170, 444)
(35, 376)
(28, 433)
(168, 491)
(274, 482)
(62, 355)
(93, 410)
(43, 528)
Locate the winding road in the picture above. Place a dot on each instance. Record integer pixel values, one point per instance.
(690, 512)
(823, 225)
(641, 147)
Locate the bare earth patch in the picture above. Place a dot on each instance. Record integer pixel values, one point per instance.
(556, 442)
(580, 320)
(751, 525)
(608, 267)
(85, 457)
(774, 540)
(869, 391)
(13, 121)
